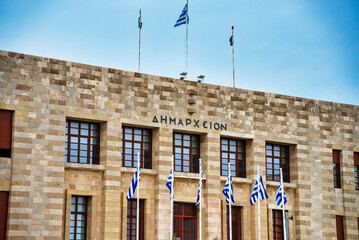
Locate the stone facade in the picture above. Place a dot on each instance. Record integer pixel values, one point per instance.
(44, 92)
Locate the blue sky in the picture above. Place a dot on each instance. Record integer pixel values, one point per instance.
(300, 48)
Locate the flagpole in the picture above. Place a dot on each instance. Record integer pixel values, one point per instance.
(187, 38)
(138, 198)
(259, 208)
(172, 184)
(139, 43)
(200, 201)
(230, 201)
(283, 211)
(234, 84)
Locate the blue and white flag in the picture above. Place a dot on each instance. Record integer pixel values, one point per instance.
(169, 183)
(228, 190)
(231, 40)
(183, 18)
(259, 192)
(140, 21)
(199, 186)
(278, 197)
(133, 186)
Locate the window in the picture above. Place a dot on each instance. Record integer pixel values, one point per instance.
(235, 150)
(185, 221)
(236, 222)
(277, 156)
(356, 170)
(78, 221)
(82, 142)
(336, 168)
(186, 148)
(136, 140)
(5, 133)
(340, 227)
(278, 225)
(132, 217)
(4, 202)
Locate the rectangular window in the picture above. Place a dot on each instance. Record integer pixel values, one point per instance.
(356, 170)
(82, 142)
(78, 222)
(136, 140)
(186, 148)
(132, 219)
(185, 221)
(236, 222)
(5, 133)
(336, 168)
(277, 156)
(278, 233)
(4, 202)
(340, 227)
(234, 151)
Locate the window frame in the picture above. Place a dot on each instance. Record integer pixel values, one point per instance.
(193, 162)
(92, 156)
(132, 214)
(336, 154)
(285, 167)
(238, 171)
(77, 213)
(184, 216)
(236, 213)
(339, 221)
(6, 123)
(277, 215)
(145, 158)
(356, 170)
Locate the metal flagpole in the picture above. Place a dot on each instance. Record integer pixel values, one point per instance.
(200, 201)
(139, 41)
(234, 82)
(138, 199)
(259, 206)
(187, 38)
(230, 200)
(172, 185)
(282, 192)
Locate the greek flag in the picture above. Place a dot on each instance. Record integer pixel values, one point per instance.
(231, 40)
(140, 21)
(278, 197)
(183, 18)
(259, 192)
(228, 190)
(199, 186)
(169, 183)
(133, 186)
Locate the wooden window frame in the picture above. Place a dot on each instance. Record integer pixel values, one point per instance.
(131, 219)
(6, 117)
(74, 149)
(336, 168)
(4, 208)
(283, 149)
(145, 154)
(236, 210)
(277, 215)
(356, 170)
(340, 227)
(78, 213)
(193, 162)
(182, 216)
(239, 166)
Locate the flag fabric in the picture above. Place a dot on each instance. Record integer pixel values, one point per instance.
(140, 21)
(199, 186)
(259, 192)
(231, 40)
(278, 197)
(228, 190)
(183, 18)
(133, 185)
(169, 183)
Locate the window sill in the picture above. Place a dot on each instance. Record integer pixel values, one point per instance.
(185, 175)
(84, 167)
(286, 185)
(143, 170)
(237, 180)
